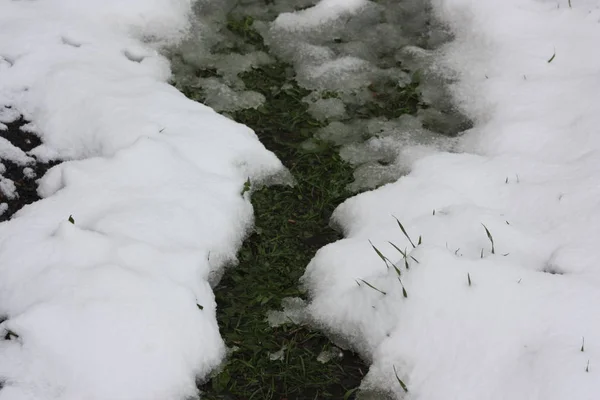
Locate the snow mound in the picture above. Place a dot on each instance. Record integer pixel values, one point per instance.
(104, 283)
(496, 295)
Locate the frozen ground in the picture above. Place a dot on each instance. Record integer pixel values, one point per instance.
(104, 283)
(499, 300)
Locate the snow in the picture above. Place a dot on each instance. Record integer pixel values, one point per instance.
(12, 153)
(8, 188)
(322, 13)
(29, 173)
(105, 282)
(505, 316)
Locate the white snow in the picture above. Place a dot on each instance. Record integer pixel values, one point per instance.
(512, 319)
(8, 188)
(29, 173)
(12, 153)
(323, 12)
(108, 307)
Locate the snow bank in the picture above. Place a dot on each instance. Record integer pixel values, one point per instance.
(505, 315)
(104, 289)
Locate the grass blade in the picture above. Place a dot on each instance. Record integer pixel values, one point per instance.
(397, 248)
(372, 287)
(489, 235)
(402, 384)
(405, 233)
(380, 254)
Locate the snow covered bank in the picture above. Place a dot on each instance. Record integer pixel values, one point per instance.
(509, 314)
(114, 303)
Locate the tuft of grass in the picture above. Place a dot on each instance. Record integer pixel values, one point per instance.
(371, 286)
(247, 186)
(384, 258)
(10, 335)
(405, 255)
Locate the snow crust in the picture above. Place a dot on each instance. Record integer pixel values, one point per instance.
(509, 315)
(104, 284)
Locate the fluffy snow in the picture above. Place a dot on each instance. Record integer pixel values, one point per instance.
(505, 316)
(104, 284)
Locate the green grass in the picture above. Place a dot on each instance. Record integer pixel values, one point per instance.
(292, 223)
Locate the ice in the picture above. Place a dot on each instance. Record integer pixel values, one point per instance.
(327, 109)
(352, 56)
(278, 355)
(105, 282)
(221, 98)
(327, 355)
(498, 300)
(293, 312)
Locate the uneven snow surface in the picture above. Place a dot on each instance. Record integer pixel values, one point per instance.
(115, 304)
(512, 315)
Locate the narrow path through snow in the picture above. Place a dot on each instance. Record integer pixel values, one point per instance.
(344, 112)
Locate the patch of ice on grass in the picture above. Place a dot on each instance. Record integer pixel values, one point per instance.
(278, 355)
(222, 98)
(327, 355)
(327, 109)
(293, 312)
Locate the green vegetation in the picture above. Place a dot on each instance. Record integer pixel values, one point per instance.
(292, 223)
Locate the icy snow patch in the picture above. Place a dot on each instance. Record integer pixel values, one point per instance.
(470, 315)
(105, 281)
